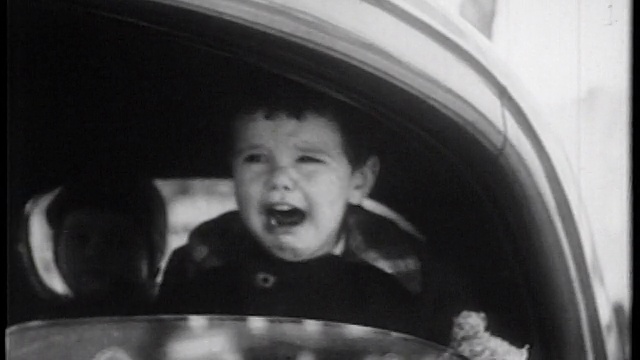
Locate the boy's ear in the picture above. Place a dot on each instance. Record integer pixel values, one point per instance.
(363, 180)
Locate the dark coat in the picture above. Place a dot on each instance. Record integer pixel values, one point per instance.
(223, 271)
(370, 238)
(327, 288)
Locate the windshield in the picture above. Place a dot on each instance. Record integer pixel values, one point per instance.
(212, 337)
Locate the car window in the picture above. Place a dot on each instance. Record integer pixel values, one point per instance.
(173, 100)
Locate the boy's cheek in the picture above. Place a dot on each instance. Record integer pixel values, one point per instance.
(247, 194)
(247, 178)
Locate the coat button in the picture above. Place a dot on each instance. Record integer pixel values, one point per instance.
(265, 280)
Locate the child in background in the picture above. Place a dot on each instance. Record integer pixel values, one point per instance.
(109, 237)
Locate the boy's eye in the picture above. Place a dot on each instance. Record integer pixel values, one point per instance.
(309, 159)
(254, 158)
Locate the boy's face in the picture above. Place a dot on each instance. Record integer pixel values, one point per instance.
(100, 254)
(293, 183)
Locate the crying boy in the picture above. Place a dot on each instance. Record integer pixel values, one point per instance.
(300, 162)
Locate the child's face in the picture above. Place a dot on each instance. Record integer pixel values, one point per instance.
(100, 254)
(293, 183)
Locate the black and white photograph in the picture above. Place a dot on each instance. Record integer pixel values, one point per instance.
(319, 179)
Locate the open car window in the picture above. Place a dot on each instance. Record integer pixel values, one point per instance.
(147, 99)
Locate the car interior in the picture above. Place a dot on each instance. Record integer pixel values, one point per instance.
(138, 94)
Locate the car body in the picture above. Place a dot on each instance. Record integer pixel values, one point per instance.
(466, 135)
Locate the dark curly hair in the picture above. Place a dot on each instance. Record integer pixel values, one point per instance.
(282, 96)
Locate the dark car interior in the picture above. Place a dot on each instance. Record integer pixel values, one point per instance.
(139, 92)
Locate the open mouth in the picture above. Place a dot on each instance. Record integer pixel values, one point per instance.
(284, 215)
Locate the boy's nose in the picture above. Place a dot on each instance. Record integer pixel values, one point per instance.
(282, 179)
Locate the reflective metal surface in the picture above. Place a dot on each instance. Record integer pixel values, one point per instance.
(211, 337)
